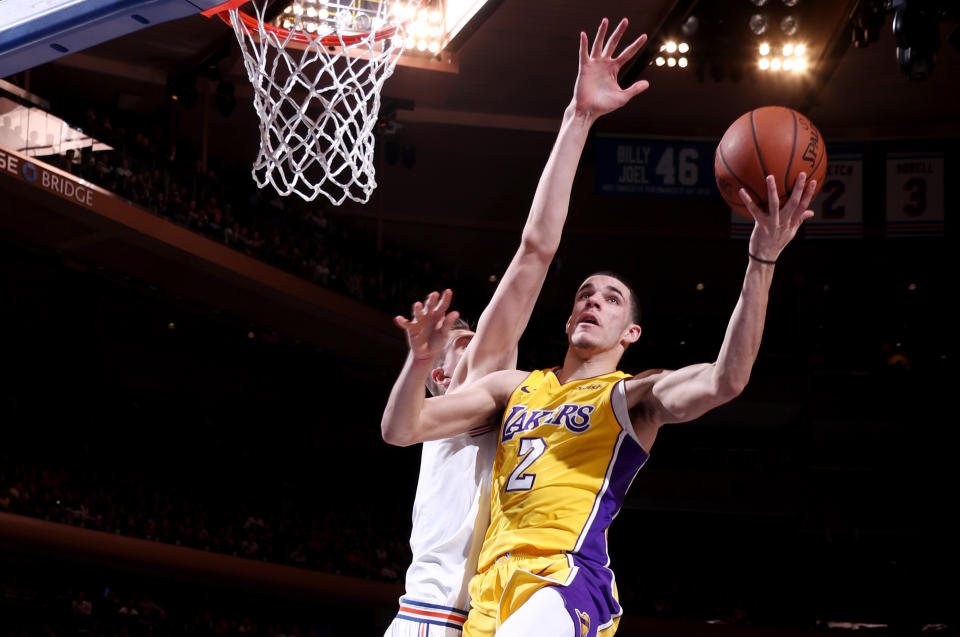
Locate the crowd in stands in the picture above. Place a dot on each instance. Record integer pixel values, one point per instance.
(224, 204)
(342, 541)
(126, 611)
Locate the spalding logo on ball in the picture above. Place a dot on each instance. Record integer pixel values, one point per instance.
(771, 140)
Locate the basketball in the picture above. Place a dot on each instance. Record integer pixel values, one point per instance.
(771, 140)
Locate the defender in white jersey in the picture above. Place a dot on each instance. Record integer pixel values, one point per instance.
(452, 509)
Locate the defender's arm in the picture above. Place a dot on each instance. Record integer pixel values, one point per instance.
(505, 318)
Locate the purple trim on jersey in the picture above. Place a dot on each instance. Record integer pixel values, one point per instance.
(588, 597)
(628, 457)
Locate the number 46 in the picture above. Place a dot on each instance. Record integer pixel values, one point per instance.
(687, 159)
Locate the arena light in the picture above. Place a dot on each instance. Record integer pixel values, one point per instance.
(764, 64)
(671, 47)
(682, 62)
(660, 61)
(764, 49)
(671, 62)
(787, 50)
(775, 64)
(683, 47)
(758, 24)
(799, 50)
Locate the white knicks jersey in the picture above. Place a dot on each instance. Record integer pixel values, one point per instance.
(450, 516)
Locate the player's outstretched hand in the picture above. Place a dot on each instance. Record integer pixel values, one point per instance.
(429, 325)
(775, 228)
(597, 91)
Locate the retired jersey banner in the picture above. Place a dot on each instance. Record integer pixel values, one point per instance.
(915, 194)
(657, 168)
(838, 207)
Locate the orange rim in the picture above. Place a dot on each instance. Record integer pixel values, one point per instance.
(223, 10)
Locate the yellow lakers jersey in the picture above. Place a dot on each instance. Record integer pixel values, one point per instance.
(566, 457)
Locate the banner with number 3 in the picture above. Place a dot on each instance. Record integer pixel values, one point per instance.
(915, 206)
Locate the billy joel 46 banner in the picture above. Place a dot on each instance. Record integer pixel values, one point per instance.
(659, 168)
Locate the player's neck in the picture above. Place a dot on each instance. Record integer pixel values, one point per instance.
(578, 364)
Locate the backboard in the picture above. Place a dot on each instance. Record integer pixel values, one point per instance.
(33, 32)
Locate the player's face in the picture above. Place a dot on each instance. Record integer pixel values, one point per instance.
(456, 346)
(601, 316)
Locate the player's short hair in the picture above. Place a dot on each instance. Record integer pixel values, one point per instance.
(634, 303)
(432, 386)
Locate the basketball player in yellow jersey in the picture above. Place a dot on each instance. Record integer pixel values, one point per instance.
(452, 505)
(572, 438)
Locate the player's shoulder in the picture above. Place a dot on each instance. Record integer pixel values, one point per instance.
(638, 385)
(502, 384)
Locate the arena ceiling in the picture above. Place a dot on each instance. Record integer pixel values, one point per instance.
(517, 69)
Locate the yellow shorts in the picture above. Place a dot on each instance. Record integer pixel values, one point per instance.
(500, 590)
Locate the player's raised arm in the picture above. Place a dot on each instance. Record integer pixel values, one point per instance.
(596, 93)
(409, 417)
(688, 393)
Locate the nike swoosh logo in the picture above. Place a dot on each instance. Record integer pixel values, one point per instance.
(524, 389)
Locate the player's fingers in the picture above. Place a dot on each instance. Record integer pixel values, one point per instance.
(798, 189)
(638, 87)
(808, 194)
(415, 310)
(584, 43)
(598, 43)
(429, 303)
(773, 200)
(752, 207)
(444, 302)
(448, 321)
(401, 322)
(631, 50)
(614, 40)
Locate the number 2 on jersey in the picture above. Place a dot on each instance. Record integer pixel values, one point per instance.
(530, 450)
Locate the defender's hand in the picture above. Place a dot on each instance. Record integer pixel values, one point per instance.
(429, 325)
(597, 91)
(775, 228)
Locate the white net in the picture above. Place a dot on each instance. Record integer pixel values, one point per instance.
(317, 82)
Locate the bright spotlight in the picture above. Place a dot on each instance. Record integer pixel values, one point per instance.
(683, 47)
(775, 64)
(764, 49)
(764, 64)
(787, 50)
(671, 46)
(671, 62)
(682, 62)
(660, 61)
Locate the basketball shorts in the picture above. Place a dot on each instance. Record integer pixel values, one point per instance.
(587, 589)
(420, 619)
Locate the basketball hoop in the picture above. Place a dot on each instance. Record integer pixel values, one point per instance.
(316, 78)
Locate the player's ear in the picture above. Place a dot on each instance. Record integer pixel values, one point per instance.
(631, 334)
(437, 375)
(566, 328)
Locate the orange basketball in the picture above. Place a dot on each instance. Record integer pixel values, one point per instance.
(771, 140)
